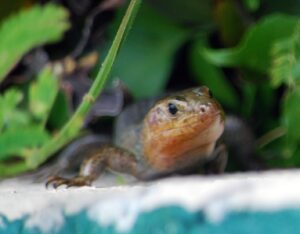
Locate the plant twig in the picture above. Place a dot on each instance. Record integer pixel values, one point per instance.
(89, 22)
(271, 136)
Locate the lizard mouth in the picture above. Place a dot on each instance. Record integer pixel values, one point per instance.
(192, 128)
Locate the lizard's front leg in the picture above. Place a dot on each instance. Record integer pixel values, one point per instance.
(107, 157)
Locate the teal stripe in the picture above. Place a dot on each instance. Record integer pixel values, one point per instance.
(176, 220)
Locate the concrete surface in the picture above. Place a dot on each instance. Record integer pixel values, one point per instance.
(108, 204)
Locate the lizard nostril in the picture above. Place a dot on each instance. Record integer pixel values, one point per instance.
(202, 109)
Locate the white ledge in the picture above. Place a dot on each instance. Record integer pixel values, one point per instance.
(121, 205)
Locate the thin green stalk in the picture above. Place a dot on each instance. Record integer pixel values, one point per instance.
(74, 125)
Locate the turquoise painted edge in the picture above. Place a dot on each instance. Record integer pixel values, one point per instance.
(175, 220)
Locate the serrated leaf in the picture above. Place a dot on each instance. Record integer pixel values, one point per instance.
(11, 98)
(16, 118)
(42, 94)
(254, 50)
(28, 29)
(286, 60)
(10, 115)
(15, 141)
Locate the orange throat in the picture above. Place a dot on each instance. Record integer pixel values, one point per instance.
(172, 149)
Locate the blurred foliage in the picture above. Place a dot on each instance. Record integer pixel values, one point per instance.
(22, 127)
(24, 112)
(60, 112)
(150, 47)
(228, 21)
(285, 53)
(252, 5)
(213, 77)
(246, 51)
(29, 29)
(42, 94)
(26, 140)
(253, 51)
(192, 12)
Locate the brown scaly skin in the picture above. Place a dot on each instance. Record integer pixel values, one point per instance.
(179, 132)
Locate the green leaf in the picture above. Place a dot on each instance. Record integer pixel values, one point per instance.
(279, 154)
(15, 141)
(10, 115)
(290, 7)
(249, 92)
(252, 5)
(28, 29)
(60, 112)
(213, 77)
(229, 22)
(254, 50)
(291, 115)
(188, 13)
(11, 98)
(286, 60)
(42, 94)
(147, 56)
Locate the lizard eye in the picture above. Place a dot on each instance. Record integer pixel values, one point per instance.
(172, 108)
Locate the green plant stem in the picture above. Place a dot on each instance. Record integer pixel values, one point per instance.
(74, 125)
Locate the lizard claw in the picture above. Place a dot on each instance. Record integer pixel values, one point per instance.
(78, 181)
